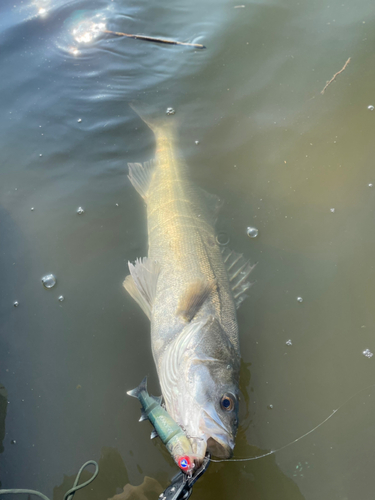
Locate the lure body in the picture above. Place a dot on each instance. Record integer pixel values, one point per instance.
(165, 427)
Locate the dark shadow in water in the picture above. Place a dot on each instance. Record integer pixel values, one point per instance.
(259, 479)
(112, 477)
(3, 414)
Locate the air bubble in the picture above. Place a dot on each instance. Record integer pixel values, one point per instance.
(13, 441)
(289, 342)
(370, 185)
(270, 407)
(222, 239)
(80, 211)
(371, 107)
(197, 142)
(252, 232)
(332, 210)
(49, 281)
(170, 111)
(79, 120)
(299, 299)
(61, 298)
(16, 303)
(368, 353)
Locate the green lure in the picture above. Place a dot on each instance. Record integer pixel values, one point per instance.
(166, 428)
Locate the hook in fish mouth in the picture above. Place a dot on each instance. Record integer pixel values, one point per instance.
(215, 445)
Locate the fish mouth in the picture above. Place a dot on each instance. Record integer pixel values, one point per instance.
(220, 448)
(217, 446)
(216, 439)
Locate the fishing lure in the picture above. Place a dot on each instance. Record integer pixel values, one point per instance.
(165, 427)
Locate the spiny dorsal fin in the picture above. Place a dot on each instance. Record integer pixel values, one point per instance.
(194, 298)
(141, 284)
(140, 176)
(238, 269)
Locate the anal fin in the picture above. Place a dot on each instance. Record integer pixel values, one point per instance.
(194, 298)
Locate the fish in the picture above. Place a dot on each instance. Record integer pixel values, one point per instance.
(165, 427)
(189, 286)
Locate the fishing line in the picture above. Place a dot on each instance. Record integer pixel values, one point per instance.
(300, 437)
(70, 493)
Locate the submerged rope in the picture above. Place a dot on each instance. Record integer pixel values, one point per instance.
(70, 493)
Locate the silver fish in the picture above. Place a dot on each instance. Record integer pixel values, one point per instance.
(189, 288)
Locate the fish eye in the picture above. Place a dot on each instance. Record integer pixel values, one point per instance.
(227, 402)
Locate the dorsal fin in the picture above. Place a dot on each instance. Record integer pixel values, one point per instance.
(238, 269)
(141, 284)
(194, 297)
(140, 176)
(213, 204)
(158, 399)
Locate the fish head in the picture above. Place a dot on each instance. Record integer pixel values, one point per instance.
(205, 401)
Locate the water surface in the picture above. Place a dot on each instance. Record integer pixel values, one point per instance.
(280, 154)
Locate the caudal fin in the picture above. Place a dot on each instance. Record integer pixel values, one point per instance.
(137, 391)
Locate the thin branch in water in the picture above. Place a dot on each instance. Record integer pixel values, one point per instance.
(153, 39)
(336, 74)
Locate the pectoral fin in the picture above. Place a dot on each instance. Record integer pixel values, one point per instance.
(194, 298)
(141, 284)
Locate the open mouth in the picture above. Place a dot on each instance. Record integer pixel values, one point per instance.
(219, 449)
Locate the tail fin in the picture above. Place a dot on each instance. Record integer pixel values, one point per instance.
(137, 391)
(156, 119)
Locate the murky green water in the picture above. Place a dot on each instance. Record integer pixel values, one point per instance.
(278, 152)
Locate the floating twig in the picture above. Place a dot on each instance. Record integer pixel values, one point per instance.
(153, 39)
(336, 74)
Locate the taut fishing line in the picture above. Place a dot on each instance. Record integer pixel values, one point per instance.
(272, 452)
